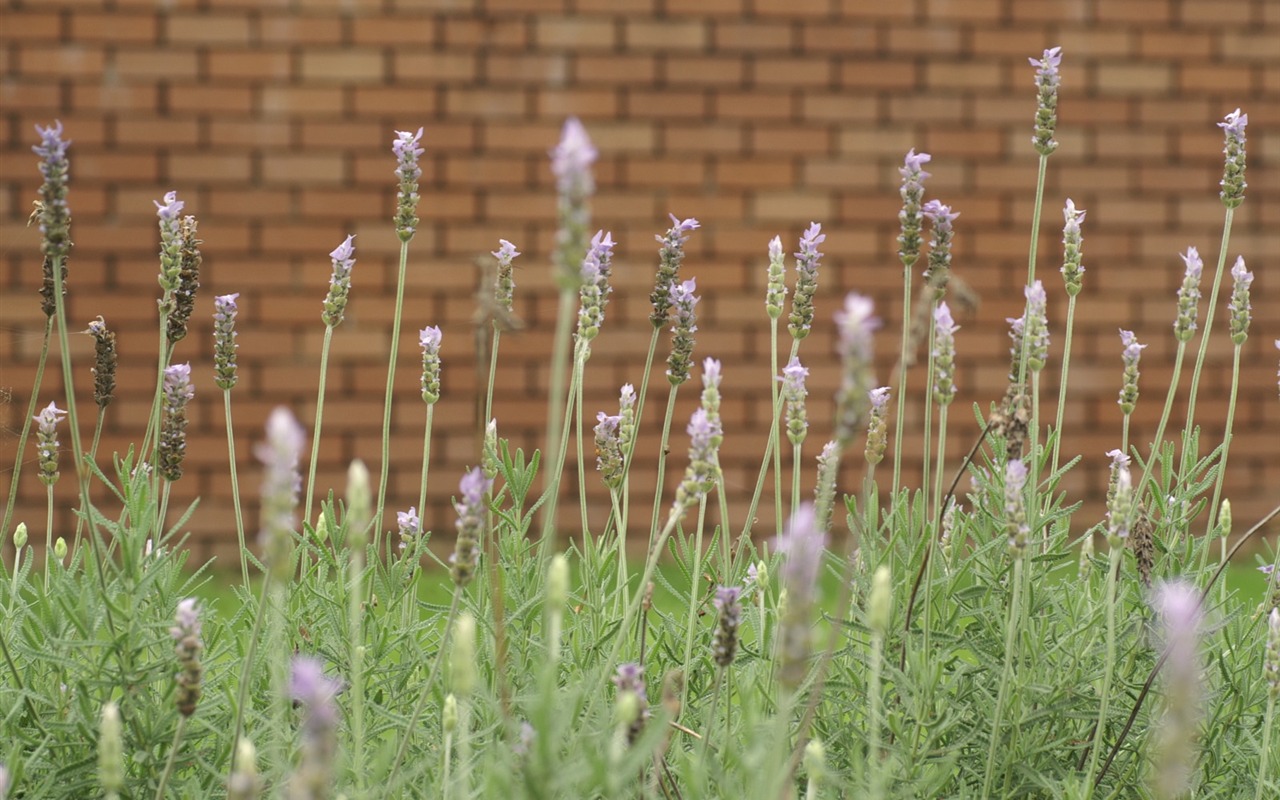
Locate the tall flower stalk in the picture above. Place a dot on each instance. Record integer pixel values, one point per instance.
(429, 339)
(910, 220)
(1240, 310)
(172, 442)
(504, 287)
(47, 460)
(937, 276)
(406, 150)
(226, 375)
(1072, 271)
(335, 306)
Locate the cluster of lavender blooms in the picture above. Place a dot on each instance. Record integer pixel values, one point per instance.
(724, 642)
(47, 443)
(317, 695)
(801, 547)
(857, 324)
(335, 302)
(1184, 327)
(182, 301)
(571, 161)
(670, 256)
(807, 260)
(682, 298)
(1178, 604)
(225, 310)
(1015, 507)
(632, 701)
(824, 490)
(705, 434)
(281, 482)
(877, 425)
(1120, 500)
(471, 510)
(105, 361)
(1047, 82)
(793, 394)
(178, 391)
(1240, 308)
(594, 291)
(942, 219)
(188, 647)
(609, 454)
(408, 526)
(55, 216)
(407, 151)
(776, 293)
(1071, 255)
(944, 354)
(505, 286)
(430, 338)
(1233, 183)
(1131, 355)
(912, 191)
(170, 243)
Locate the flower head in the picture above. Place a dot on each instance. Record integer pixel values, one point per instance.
(801, 546)
(409, 526)
(181, 302)
(705, 435)
(178, 391)
(1178, 604)
(684, 300)
(807, 260)
(776, 292)
(406, 150)
(912, 191)
(55, 217)
(794, 394)
(1071, 239)
(188, 647)
(505, 284)
(335, 303)
(1239, 306)
(471, 510)
(1131, 355)
(571, 160)
(944, 354)
(47, 442)
(1047, 80)
(594, 290)
(1036, 332)
(1120, 500)
(1015, 507)
(724, 643)
(1233, 183)
(670, 256)
(856, 323)
(170, 240)
(279, 455)
(877, 425)
(430, 338)
(938, 275)
(609, 453)
(1188, 296)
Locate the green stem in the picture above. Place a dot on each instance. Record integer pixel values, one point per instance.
(315, 430)
(93, 455)
(582, 471)
(1226, 443)
(386, 407)
(1208, 320)
(173, 756)
(874, 702)
(246, 666)
(1062, 386)
(552, 492)
(1006, 675)
(903, 358)
(745, 536)
(235, 488)
(937, 514)
(774, 433)
(26, 427)
(796, 463)
(555, 401)
(355, 637)
(1033, 251)
(421, 704)
(426, 460)
(1268, 723)
(691, 619)
(493, 373)
(662, 466)
(1099, 730)
(48, 533)
(1164, 419)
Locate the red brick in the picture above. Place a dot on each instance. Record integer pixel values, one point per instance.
(533, 69)
(667, 104)
(302, 100)
(435, 67)
(401, 101)
(200, 98)
(719, 138)
(36, 26)
(686, 35)
(588, 33)
(207, 29)
(1216, 79)
(697, 70)
(804, 73)
(403, 30)
(1224, 12)
(754, 37)
(487, 103)
(1129, 78)
(882, 74)
(298, 169)
(584, 103)
(512, 34)
(59, 60)
(253, 65)
(292, 29)
(214, 169)
(347, 66)
(114, 27)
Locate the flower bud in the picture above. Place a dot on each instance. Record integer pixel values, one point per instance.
(449, 714)
(880, 604)
(462, 662)
(359, 503)
(20, 536)
(110, 751)
(60, 549)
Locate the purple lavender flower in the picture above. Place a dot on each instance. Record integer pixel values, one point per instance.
(794, 393)
(1071, 239)
(1188, 296)
(630, 683)
(1120, 500)
(571, 160)
(801, 546)
(705, 435)
(430, 338)
(406, 150)
(857, 324)
(1047, 80)
(609, 453)
(178, 305)
(279, 455)
(335, 303)
(409, 526)
(724, 643)
(170, 241)
(807, 260)
(471, 525)
(188, 647)
(938, 274)
(824, 490)
(1131, 355)
(670, 256)
(944, 354)
(1239, 306)
(877, 425)
(594, 290)
(684, 300)
(225, 310)
(55, 216)
(912, 191)
(1015, 507)
(1036, 332)
(1233, 183)
(47, 442)
(776, 293)
(317, 695)
(711, 386)
(626, 417)
(505, 285)
(178, 391)
(104, 362)
(1178, 604)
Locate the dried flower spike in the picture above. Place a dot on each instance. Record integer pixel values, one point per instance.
(1071, 241)
(670, 256)
(1233, 183)
(1239, 307)
(912, 191)
(183, 299)
(335, 303)
(104, 362)
(55, 217)
(47, 442)
(178, 391)
(1047, 80)
(877, 425)
(505, 284)
(188, 647)
(1132, 355)
(406, 150)
(1188, 296)
(807, 260)
(225, 310)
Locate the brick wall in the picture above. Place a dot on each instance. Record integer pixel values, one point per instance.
(273, 121)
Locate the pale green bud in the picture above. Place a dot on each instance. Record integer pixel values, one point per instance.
(359, 503)
(322, 529)
(558, 582)
(1224, 518)
(762, 575)
(60, 549)
(20, 536)
(815, 759)
(627, 709)
(463, 658)
(110, 751)
(880, 604)
(449, 715)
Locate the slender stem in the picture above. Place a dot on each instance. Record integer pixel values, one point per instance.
(48, 533)
(691, 619)
(426, 460)
(764, 466)
(26, 427)
(493, 373)
(874, 704)
(582, 470)
(1268, 722)
(1062, 386)
(235, 487)
(620, 529)
(93, 455)
(937, 515)
(928, 425)
(1226, 443)
(173, 756)
(1033, 250)
(552, 491)
(446, 784)
(386, 408)
(1208, 320)
(355, 637)
(1164, 419)
(315, 430)
(662, 465)
(903, 358)
(421, 703)
(555, 399)
(796, 463)
(1006, 675)
(246, 666)
(1099, 730)
(774, 433)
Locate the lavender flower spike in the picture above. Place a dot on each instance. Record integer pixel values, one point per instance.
(1120, 503)
(1188, 296)
(609, 454)
(178, 391)
(571, 160)
(938, 274)
(684, 300)
(1047, 80)
(777, 284)
(505, 285)
(279, 455)
(944, 354)
(409, 526)
(1239, 306)
(1071, 239)
(807, 260)
(705, 435)
(912, 191)
(724, 643)
(856, 323)
(1015, 507)
(670, 256)
(471, 525)
(55, 217)
(188, 647)
(1036, 332)
(711, 386)
(335, 303)
(1131, 355)
(430, 338)
(794, 393)
(1233, 183)
(801, 546)
(225, 310)
(594, 290)
(877, 425)
(317, 695)
(406, 150)
(170, 240)
(47, 442)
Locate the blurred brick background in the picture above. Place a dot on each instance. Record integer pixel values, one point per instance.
(273, 121)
